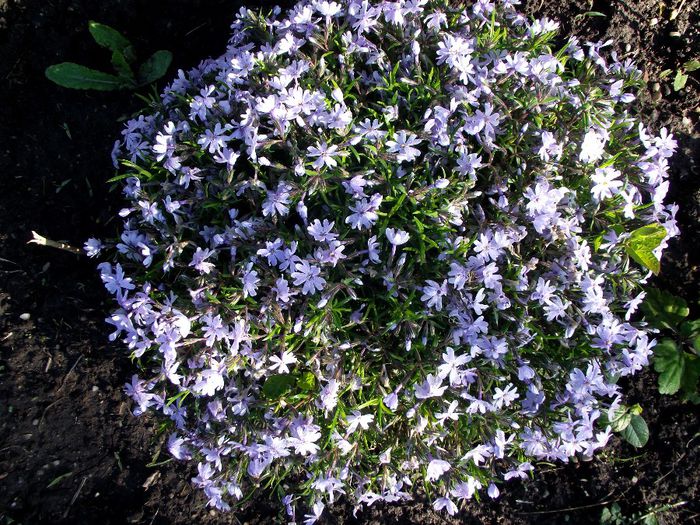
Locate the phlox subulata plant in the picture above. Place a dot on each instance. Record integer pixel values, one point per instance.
(377, 247)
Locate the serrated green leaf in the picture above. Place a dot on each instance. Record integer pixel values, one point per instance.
(692, 65)
(641, 244)
(75, 76)
(155, 66)
(276, 385)
(662, 309)
(637, 432)
(690, 331)
(669, 362)
(679, 81)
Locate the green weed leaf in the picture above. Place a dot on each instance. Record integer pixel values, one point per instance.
(669, 362)
(663, 309)
(621, 419)
(75, 76)
(637, 432)
(692, 65)
(155, 66)
(122, 67)
(306, 382)
(690, 331)
(277, 385)
(680, 80)
(641, 244)
(111, 39)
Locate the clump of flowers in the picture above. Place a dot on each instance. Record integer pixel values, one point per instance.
(377, 246)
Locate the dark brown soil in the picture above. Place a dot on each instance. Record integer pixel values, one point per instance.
(71, 453)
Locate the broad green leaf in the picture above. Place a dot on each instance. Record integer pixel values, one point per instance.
(637, 432)
(669, 362)
(679, 81)
(75, 76)
(691, 65)
(620, 420)
(306, 381)
(111, 39)
(641, 244)
(122, 67)
(276, 385)
(662, 309)
(155, 66)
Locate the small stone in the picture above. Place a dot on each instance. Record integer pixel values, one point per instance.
(655, 86)
(25, 317)
(653, 21)
(95, 388)
(35, 422)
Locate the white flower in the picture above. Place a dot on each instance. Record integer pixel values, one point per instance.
(324, 155)
(431, 387)
(397, 237)
(445, 503)
(358, 419)
(592, 147)
(403, 146)
(436, 468)
(279, 364)
(605, 183)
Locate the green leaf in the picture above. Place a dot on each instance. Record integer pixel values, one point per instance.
(691, 373)
(155, 66)
(277, 385)
(306, 382)
(641, 244)
(669, 362)
(679, 81)
(690, 331)
(621, 419)
(650, 519)
(111, 39)
(122, 67)
(663, 309)
(691, 65)
(637, 432)
(75, 76)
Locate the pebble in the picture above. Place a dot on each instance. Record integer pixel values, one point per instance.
(25, 317)
(95, 388)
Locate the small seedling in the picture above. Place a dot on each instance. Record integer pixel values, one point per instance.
(676, 358)
(76, 76)
(629, 423)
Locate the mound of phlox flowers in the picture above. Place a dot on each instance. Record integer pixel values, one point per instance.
(378, 248)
